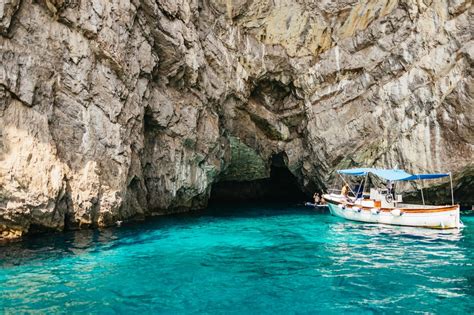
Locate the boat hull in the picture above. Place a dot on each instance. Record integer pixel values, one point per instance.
(440, 219)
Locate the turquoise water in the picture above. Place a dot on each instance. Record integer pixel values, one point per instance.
(252, 259)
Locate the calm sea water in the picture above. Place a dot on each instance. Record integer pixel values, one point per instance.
(249, 259)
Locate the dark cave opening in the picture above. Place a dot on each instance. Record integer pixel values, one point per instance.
(282, 185)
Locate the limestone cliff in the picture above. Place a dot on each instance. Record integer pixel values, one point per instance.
(113, 110)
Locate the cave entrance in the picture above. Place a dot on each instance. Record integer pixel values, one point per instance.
(282, 185)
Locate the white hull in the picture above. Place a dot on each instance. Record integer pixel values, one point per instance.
(440, 219)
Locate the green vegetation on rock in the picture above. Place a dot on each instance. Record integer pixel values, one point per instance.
(246, 164)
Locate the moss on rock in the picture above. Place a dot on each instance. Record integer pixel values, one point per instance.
(245, 165)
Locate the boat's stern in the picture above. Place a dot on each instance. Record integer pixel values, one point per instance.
(459, 223)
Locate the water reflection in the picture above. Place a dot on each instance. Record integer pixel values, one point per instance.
(57, 245)
(375, 230)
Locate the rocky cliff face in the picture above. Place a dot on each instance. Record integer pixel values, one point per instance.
(113, 110)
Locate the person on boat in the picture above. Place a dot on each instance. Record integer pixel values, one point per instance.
(389, 187)
(316, 198)
(345, 191)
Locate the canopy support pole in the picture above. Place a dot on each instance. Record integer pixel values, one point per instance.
(365, 183)
(452, 192)
(422, 197)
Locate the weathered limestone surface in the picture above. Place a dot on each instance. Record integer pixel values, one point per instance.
(114, 110)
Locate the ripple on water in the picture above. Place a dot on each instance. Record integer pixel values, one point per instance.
(242, 260)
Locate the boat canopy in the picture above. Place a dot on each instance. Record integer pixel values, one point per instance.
(390, 174)
(428, 176)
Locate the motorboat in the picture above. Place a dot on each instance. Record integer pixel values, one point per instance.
(384, 206)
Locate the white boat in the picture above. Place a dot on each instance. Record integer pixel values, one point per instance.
(382, 206)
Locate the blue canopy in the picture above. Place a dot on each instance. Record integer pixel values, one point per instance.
(390, 174)
(427, 176)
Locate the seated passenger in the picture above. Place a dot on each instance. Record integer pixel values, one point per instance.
(345, 192)
(316, 198)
